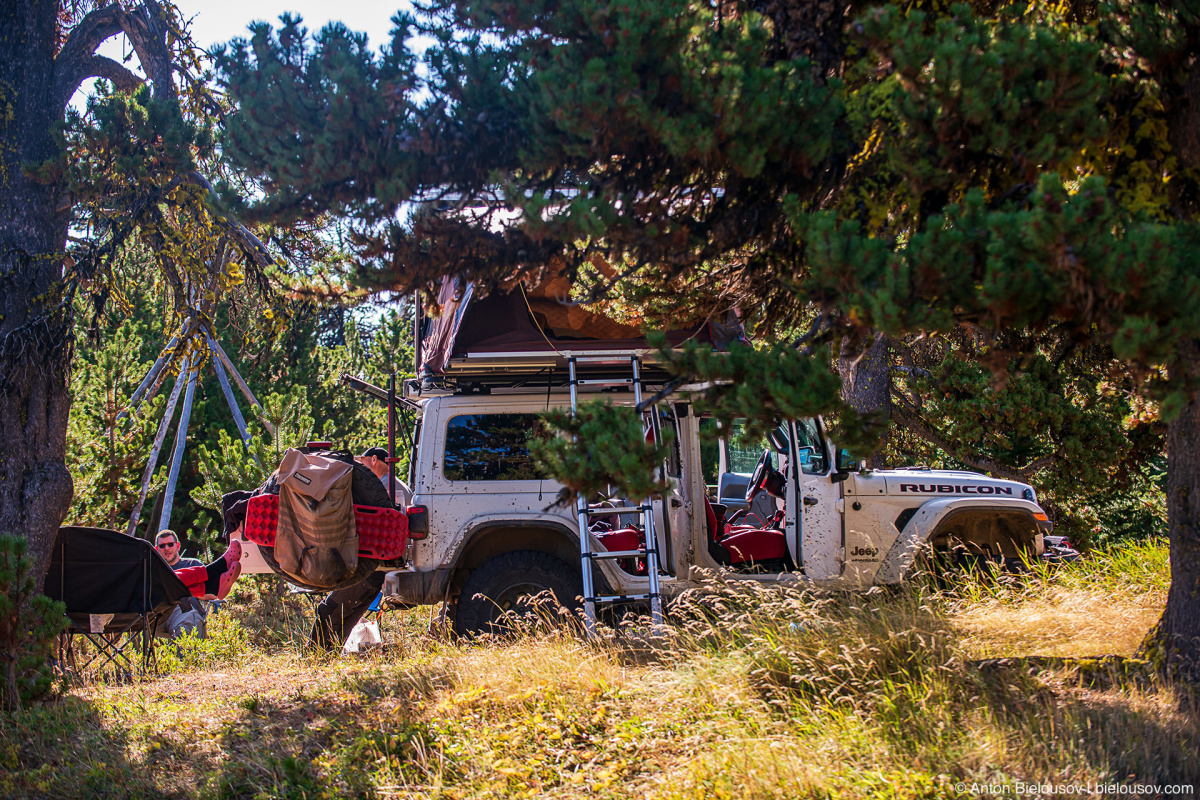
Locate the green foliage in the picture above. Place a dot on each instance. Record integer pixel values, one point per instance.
(314, 406)
(1068, 422)
(30, 623)
(528, 98)
(968, 100)
(284, 86)
(602, 450)
(1022, 268)
(764, 386)
(107, 455)
(138, 166)
(372, 353)
(233, 466)
(225, 644)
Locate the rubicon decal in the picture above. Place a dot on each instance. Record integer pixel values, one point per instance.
(946, 488)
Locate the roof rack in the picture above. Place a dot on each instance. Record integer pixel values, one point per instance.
(597, 370)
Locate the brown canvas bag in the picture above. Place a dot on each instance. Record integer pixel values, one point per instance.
(316, 540)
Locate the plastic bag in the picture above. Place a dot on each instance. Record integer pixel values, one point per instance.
(364, 636)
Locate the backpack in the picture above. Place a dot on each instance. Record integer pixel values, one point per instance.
(316, 540)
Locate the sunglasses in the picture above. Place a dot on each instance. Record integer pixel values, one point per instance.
(163, 545)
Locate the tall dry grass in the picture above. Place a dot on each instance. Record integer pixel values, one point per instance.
(754, 691)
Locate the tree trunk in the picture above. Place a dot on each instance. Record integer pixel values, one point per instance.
(867, 386)
(35, 329)
(1175, 643)
(1178, 633)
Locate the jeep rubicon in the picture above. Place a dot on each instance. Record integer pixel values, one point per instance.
(798, 510)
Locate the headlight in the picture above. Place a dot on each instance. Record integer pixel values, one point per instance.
(1029, 494)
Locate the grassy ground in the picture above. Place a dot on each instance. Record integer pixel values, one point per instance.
(757, 693)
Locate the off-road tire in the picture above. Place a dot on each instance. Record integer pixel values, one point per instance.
(503, 583)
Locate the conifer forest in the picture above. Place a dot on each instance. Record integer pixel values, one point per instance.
(965, 235)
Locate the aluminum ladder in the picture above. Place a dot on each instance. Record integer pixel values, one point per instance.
(587, 556)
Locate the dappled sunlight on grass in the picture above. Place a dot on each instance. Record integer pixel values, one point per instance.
(756, 691)
(1060, 622)
(1104, 604)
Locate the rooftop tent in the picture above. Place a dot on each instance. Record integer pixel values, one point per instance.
(532, 325)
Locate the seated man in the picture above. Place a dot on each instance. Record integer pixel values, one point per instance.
(167, 544)
(186, 616)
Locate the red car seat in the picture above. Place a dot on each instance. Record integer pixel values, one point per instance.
(741, 545)
(625, 539)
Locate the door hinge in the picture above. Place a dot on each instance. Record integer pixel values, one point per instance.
(839, 505)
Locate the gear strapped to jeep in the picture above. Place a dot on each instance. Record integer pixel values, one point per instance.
(316, 539)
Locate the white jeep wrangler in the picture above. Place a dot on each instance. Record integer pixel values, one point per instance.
(495, 535)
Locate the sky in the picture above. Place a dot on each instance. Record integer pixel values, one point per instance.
(216, 21)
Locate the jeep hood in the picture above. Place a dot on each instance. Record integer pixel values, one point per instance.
(944, 482)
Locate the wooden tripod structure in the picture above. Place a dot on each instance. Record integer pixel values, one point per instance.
(189, 366)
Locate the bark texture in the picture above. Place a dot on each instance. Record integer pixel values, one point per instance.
(1178, 633)
(1175, 643)
(35, 325)
(867, 385)
(39, 72)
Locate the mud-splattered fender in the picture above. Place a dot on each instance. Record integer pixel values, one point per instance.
(922, 525)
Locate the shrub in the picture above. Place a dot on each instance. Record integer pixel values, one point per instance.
(29, 623)
(225, 644)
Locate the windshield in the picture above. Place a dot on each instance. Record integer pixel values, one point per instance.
(742, 454)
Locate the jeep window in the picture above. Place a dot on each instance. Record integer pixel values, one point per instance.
(742, 454)
(710, 453)
(491, 447)
(667, 422)
(808, 434)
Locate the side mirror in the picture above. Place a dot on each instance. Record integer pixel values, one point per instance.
(778, 440)
(844, 466)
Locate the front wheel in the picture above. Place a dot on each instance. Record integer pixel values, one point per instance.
(511, 583)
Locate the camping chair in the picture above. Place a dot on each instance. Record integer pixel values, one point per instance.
(117, 590)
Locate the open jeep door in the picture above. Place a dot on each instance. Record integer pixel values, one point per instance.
(737, 462)
(822, 551)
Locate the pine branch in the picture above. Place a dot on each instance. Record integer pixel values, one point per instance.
(74, 61)
(145, 26)
(250, 244)
(905, 416)
(146, 30)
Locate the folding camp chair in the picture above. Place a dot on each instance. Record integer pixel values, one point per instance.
(117, 590)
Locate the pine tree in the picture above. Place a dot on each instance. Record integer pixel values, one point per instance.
(29, 624)
(106, 446)
(127, 169)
